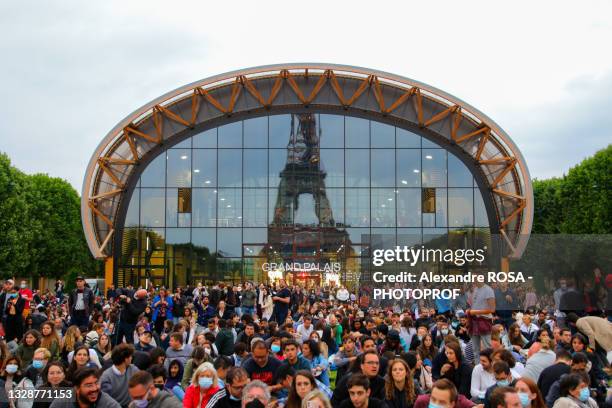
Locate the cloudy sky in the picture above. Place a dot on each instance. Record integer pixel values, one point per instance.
(71, 69)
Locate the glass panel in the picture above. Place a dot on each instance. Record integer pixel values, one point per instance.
(409, 236)
(434, 167)
(280, 129)
(230, 207)
(185, 144)
(382, 238)
(204, 203)
(132, 218)
(428, 143)
(230, 135)
(206, 139)
(408, 168)
(461, 207)
(305, 213)
(332, 131)
(336, 200)
(383, 168)
(357, 132)
(357, 168)
(255, 168)
(441, 207)
(154, 175)
(358, 207)
(152, 207)
(255, 209)
(358, 241)
(383, 207)
(171, 207)
(280, 209)
(332, 163)
(458, 173)
(229, 270)
(383, 135)
(277, 159)
(480, 211)
(255, 235)
(204, 240)
(204, 168)
(409, 207)
(179, 168)
(230, 168)
(405, 138)
(256, 132)
(229, 241)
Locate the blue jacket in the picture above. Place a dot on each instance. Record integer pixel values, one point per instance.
(168, 309)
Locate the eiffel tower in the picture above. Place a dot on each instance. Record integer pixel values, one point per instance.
(322, 242)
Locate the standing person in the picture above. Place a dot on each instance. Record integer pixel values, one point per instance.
(133, 305)
(162, 304)
(12, 313)
(481, 316)
(27, 295)
(266, 303)
(59, 290)
(80, 303)
(282, 302)
(248, 300)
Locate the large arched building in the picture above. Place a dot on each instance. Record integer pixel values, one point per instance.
(299, 170)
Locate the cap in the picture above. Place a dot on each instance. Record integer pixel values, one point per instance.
(393, 335)
(80, 277)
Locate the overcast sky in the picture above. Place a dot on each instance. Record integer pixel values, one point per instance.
(71, 69)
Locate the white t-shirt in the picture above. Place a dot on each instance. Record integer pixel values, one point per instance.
(480, 297)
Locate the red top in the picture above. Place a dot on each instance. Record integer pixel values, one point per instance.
(192, 396)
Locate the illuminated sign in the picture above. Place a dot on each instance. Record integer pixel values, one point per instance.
(302, 267)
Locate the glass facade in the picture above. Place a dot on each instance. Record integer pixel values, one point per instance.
(304, 195)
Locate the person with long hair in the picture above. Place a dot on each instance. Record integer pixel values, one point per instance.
(427, 349)
(303, 383)
(575, 392)
(4, 352)
(316, 399)
(399, 385)
(198, 356)
(529, 393)
(54, 377)
(49, 339)
(72, 340)
(81, 359)
(514, 340)
(27, 347)
(10, 377)
(103, 348)
(456, 370)
(311, 351)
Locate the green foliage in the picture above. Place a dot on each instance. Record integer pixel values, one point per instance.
(579, 202)
(41, 226)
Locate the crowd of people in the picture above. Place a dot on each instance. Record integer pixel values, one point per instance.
(255, 346)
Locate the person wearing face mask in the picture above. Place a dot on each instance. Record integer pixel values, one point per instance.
(230, 395)
(145, 394)
(204, 384)
(529, 393)
(39, 361)
(503, 378)
(10, 377)
(575, 393)
(12, 319)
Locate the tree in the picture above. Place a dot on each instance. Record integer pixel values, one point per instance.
(16, 227)
(60, 246)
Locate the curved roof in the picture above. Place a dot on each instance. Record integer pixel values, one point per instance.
(444, 118)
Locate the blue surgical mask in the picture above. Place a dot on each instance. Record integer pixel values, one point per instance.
(432, 405)
(585, 394)
(524, 397)
(205, 382)
(234, 398)
(221, 383)
(37, 364)
(275, 348)
(503, 383)
(11, 368)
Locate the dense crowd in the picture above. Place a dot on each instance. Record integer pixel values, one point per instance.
(255, 346)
